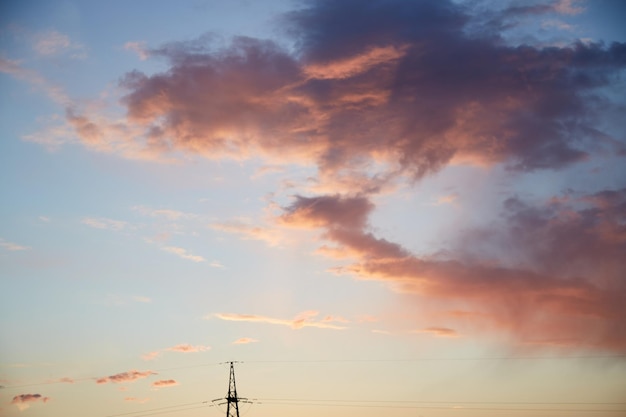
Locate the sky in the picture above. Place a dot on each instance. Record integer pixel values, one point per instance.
(415, 208)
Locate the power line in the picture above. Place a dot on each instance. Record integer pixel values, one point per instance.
(62, 381)
(454, 408)
(261, 400)
(515, 406)
(427, 359)
(335, 361)
(160, 410)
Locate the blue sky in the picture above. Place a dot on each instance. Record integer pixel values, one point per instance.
(417, 203)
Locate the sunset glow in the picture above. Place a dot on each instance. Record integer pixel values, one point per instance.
(371, 207)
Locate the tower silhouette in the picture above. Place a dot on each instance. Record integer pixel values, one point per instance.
(232, 400)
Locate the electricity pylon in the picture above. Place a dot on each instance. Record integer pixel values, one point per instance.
(232, 400)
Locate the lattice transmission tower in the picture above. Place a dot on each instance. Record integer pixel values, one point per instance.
(232, 400)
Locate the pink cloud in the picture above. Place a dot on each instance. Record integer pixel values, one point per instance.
(164, 383)
(356, 64)
(187, 348)
(333, 104)
(23, 401)
(151, 355)
(123, 377)
(54, 43)
(439, 331)
(181, 348)
(336, 319)
(248, 231)
(54, 92)
(368, 318)
(366, 107)
(139, 48)
(570, 7)
(564, 297)
(244, 341)
(137, 400)
(328, 211)
(65, 380)
(304, 319)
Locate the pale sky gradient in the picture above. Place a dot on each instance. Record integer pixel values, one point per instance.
(408, 208)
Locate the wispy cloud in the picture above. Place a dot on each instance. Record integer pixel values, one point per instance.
(244, 341)
(569, 7)
(438, 331)
(555, 23)
(104, 223)
(304, 319)
(123, 377)
(54, 43)
(23, 401)
(137, 400)
(351, 66)
(139, 47)
(446, 199)
(150, 356)
(216, 264)
(65, 380)
(368, 318)
(168, 214)
(12, 246)
(248, 231)
(187, 348)
(182, 253)
(266, 170)
(181, 348)
(121, 299)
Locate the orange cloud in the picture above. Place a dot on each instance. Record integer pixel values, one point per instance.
(23, 401)
(354, 65)
(123, 377)
(304, 319)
